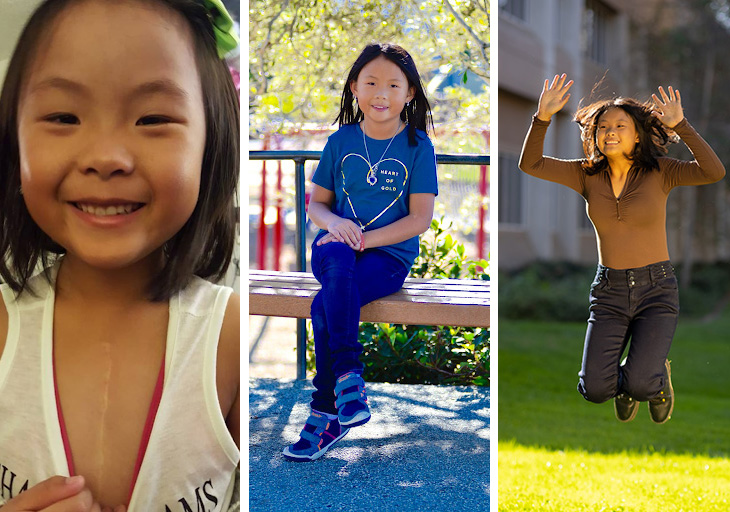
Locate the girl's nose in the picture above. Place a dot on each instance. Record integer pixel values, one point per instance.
(106, 156)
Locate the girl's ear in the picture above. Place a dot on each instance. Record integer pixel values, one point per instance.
(353, 88)
(411, 94)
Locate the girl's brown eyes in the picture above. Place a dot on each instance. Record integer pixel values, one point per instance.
(153, 120)
(70, 119)
(62, 118)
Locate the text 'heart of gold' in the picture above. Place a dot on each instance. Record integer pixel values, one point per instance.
(366, 172)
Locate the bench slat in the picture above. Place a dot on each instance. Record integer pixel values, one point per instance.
(420, 302)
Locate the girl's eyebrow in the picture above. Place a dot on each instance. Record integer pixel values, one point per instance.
(57, 82)
(162, 86)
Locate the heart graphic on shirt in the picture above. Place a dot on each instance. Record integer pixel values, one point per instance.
(364, 177)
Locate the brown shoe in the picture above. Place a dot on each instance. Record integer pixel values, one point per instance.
(661, 406)
(625, 407)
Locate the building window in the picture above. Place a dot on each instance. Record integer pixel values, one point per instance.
(510, 190)
(517, 8)
(596, 18)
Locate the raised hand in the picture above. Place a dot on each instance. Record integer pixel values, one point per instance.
(553, 97)
(58, 493)
(669, 108)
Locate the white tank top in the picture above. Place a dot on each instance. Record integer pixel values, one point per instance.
(190, 457)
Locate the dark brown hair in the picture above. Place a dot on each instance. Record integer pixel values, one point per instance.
(204, 245)
(654, 137)
(417, 113)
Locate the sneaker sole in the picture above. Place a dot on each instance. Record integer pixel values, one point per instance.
(360, 418)
(309, 458)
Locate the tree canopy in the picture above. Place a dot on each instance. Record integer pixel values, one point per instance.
(301, 52)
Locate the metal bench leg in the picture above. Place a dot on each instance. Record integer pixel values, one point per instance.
(301, 348)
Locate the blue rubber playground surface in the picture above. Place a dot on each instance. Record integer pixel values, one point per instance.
(426, 448)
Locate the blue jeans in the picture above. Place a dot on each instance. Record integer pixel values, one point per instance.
(349, 279)
(640, 304)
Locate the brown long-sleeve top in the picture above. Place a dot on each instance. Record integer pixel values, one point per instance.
(631, 228)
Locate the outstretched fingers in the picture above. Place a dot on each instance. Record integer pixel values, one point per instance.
(554, 96)
(668, 107)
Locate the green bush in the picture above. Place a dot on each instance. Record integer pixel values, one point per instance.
(709, 289)
(413, 354)
(546, 291)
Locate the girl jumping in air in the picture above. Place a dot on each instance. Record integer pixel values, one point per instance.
(373, 195)
(625, 181)
(119, 364)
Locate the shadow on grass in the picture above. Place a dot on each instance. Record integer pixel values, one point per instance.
(539, 405)
(425, 448)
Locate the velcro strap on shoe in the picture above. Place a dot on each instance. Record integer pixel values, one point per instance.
(351, 379)
(312, 438)
(318, 421)
(349, 397)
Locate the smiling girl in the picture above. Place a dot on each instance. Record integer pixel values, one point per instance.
(625, 181)
(119, 365)
(373, 195)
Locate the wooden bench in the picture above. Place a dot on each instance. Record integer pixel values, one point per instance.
(462, 302)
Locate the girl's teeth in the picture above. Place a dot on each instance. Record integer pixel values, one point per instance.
(104, 211)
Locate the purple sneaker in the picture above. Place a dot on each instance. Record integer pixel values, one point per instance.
(318, 435)
(352, 402)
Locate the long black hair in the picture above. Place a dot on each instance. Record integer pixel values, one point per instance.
(654, 137)
(416, 114)
(204, 245)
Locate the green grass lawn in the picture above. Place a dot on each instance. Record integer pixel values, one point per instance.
(558, 452)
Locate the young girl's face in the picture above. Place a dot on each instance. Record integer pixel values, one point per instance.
(382, 91)
(616, 134)
(112, 130)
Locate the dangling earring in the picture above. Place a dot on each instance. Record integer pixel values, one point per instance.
(20, 190)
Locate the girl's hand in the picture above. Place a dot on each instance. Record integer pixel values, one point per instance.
(345, 231)
(57, 494)
(669, 111)
(553, 97)
(329, 237)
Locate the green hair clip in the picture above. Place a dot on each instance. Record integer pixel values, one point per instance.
(225, 36)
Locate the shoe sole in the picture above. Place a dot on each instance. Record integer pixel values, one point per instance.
(671, 393)
(360, 418)
(309, 458)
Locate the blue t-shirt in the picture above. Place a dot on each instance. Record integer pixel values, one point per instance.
(373, 204)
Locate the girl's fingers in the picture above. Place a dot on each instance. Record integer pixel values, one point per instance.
(81, 502)
(656, 101)
(664, 94)
(46, 493)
